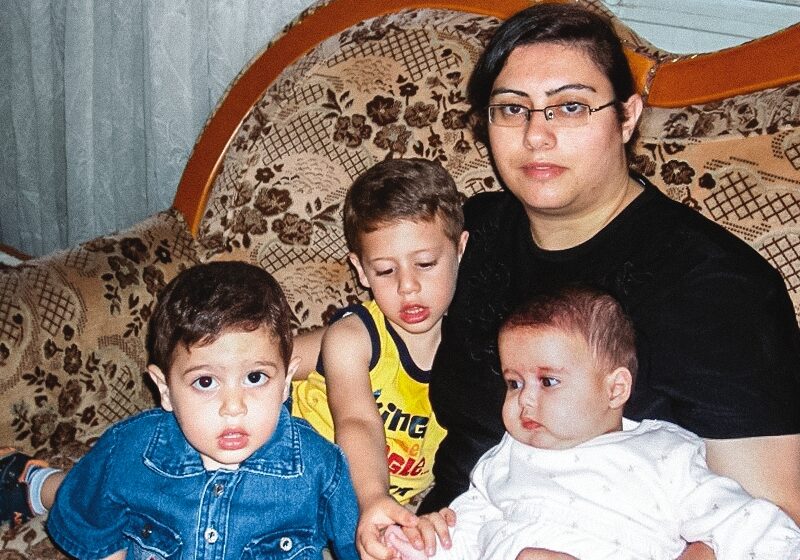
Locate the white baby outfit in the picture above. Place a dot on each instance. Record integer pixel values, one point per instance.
(640, 493)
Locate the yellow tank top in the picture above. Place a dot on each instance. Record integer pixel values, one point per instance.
(401, 393)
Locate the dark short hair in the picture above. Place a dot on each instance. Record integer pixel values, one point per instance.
(590, 313)
(566, 24)
(401, 189)
(203, 302)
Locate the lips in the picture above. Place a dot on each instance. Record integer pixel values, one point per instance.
(529, 424)
(542, 171)
(413, 314)
(232, 440)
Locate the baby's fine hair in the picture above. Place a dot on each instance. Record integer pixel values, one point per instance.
(590, 313)
(205, 301)
(398, 190)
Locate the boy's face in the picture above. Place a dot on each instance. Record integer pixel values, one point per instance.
(227, 395)
(555, 396)
(411, 269)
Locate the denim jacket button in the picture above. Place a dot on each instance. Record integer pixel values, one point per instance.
(285, 544)
(146, 531)
(219, 489)
(211, 535)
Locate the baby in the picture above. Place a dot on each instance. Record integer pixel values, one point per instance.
(572, 476)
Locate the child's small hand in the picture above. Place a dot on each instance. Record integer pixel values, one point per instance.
(430, 527)
(542, 554)
(376, 516)
(397, 539)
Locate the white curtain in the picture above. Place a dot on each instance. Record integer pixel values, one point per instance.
(101, 102)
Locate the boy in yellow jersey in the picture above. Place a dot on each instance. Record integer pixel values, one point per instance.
(403, 223)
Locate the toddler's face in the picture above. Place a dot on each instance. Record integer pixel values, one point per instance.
(411, 268)
(227, 395)
(555, 397)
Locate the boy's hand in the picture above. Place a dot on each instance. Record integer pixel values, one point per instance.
(374, 518)
(542, 554)
(430, 526)
(394, 537)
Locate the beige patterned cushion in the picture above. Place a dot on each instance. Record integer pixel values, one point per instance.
(72, 347)
(387, 88)
(738, 163)
(72, 340)
(394, 87)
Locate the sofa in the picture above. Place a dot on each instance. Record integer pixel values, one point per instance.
(347, 84)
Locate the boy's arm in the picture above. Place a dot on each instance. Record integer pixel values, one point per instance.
(307, 347)
(346, 353)
(118, 555)
(87, 520)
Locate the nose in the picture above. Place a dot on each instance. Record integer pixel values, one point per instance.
(528, 397)
(539, 132)
(232, 403)
(408, 282)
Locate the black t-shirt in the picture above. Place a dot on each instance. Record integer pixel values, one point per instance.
(717, 337)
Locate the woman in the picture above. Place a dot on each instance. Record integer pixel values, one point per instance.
(717, 336)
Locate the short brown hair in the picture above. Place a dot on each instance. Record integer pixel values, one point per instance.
(401, 189)
(204, 301)
(564, 24)
(593, 314)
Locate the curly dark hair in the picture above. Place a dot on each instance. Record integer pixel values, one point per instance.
(204, 301)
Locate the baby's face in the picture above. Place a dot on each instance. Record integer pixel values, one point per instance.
(555, 397)
(227, 395)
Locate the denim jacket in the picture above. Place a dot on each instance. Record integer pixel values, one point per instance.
(143, 488)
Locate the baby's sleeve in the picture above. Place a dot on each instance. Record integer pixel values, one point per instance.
(717, 511)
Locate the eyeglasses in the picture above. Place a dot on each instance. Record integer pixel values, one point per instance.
(567, 115)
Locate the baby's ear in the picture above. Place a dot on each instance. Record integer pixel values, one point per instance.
(619, 384)
(462, 244)
(160, 380)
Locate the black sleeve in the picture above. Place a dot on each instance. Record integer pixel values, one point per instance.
(720, 351)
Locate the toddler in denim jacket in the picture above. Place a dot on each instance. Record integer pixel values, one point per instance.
(223, 470)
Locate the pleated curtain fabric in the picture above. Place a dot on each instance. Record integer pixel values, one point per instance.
(101, 103)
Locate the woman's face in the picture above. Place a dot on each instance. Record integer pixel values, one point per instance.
(555, 170)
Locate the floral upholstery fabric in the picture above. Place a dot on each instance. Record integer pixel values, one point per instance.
(72, 346)
(389, 87)
(72, 325)
(738, 163)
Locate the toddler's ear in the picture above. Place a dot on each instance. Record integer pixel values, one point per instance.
(619, 386)
(356, 262)
(290, 371)
(160, 380)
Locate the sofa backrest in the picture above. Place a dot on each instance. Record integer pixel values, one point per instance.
(269, 188)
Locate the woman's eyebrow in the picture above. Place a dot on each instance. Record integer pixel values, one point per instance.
(549, 92)
(501, 91)
(569, 87)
